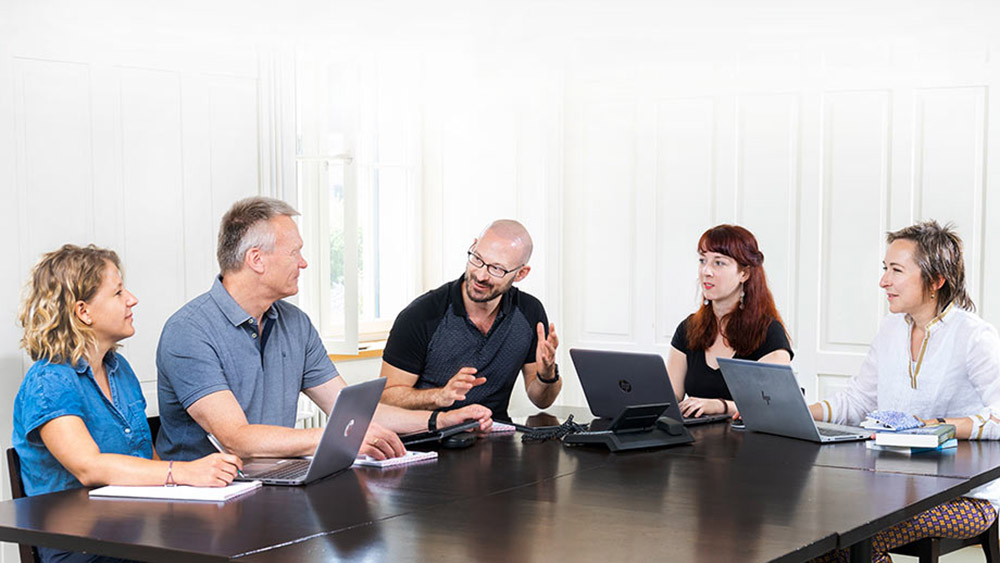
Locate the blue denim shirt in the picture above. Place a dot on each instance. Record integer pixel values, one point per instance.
(211, 344)
(51, 390)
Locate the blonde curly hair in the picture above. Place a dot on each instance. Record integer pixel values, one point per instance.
(62, 278)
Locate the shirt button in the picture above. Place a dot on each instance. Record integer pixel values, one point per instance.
(251, 321)
(253, 334)
(128, 430)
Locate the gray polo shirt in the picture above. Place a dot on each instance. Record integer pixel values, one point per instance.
(211, 344)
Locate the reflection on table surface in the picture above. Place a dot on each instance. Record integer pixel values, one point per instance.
(731, 494)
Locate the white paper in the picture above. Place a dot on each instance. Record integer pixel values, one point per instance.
(179, 492)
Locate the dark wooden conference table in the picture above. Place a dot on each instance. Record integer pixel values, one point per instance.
(730, 496)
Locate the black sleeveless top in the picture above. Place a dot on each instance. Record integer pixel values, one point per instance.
(707, 383)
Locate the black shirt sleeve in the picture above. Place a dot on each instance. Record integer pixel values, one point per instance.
(680, 340)
(406, 347)
(777, 339)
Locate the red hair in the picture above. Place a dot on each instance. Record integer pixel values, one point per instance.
(745, 326)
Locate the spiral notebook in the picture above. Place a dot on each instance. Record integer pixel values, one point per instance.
(409, 457)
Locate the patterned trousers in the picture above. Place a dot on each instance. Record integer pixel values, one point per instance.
(961, 518)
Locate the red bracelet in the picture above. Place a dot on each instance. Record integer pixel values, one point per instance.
(170, 476)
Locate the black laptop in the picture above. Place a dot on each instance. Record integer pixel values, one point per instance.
(615, 380)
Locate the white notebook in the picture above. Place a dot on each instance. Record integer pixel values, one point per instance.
(180, 492)
(501, 427)
(410, 456)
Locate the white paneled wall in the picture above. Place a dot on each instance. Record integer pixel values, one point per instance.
(864, 133)
(141, 155)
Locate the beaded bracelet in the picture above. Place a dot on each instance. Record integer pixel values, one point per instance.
(170, 476)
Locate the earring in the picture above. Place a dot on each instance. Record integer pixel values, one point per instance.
(705, 302)
(742, 293)
(932, 295)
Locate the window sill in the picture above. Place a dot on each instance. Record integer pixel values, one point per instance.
(368, 350)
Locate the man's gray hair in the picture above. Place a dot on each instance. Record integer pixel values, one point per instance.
(245, 226)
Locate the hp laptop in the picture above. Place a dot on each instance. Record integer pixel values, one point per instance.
(770, 401)
(349, 419)
(615, 380)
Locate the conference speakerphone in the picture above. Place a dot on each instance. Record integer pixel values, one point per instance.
(636, 427)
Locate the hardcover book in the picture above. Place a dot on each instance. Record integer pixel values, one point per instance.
(924, 437)
(904, 450)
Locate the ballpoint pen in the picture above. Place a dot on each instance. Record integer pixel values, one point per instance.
(218, 445)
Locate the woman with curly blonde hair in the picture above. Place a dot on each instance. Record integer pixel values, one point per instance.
(79, 416)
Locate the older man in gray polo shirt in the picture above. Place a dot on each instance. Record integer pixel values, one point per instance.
(232, 361)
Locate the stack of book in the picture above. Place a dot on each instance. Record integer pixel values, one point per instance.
(916, 440)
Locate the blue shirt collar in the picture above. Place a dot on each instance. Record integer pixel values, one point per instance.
(110, 364)
(230, 308)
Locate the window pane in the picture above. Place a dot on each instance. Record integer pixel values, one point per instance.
(335, 210)
(392, 272)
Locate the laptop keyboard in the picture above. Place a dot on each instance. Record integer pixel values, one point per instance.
(287, 470)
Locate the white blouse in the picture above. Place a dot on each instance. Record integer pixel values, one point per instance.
(956, 374)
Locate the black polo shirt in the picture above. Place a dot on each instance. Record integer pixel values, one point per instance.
(433, 337)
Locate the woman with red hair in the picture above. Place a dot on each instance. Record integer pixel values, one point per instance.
(737, 319)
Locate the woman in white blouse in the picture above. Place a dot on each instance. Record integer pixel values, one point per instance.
(932, 358)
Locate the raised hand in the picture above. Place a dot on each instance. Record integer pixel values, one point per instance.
(545, 352)
(457, 387)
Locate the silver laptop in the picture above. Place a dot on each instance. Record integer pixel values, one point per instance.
(615, 380)
(338, 448)
(769, 400)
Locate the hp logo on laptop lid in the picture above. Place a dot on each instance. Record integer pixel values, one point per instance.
(625, 385)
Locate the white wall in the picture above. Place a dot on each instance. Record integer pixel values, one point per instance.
(111, 137)
(819, 131)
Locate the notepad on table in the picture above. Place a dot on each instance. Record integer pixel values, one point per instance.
(409, 457)
(502, 427)
(180, 492)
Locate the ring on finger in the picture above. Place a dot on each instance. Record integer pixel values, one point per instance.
(375, 442)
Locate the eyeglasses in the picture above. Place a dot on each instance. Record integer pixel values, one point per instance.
(491, 269)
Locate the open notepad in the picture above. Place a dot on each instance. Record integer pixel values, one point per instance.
(180, 492)
(409, 457)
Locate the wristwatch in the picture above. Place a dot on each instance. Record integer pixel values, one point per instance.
(432, 422)
(554, 378)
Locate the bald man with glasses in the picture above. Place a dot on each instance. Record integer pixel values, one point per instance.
(464, 342)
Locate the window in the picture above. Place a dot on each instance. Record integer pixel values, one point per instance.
(357, 173)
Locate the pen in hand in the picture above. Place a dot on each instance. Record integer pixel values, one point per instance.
(218, 445)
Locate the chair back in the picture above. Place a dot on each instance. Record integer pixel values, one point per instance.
(154, 427)
(29, 554)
